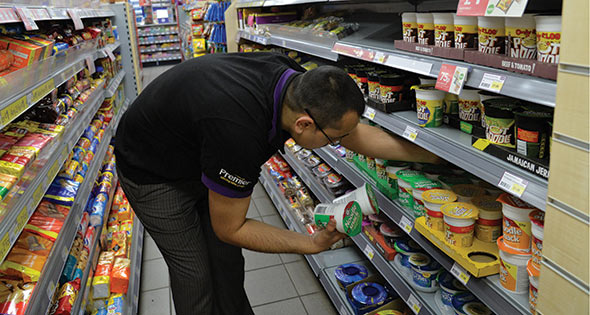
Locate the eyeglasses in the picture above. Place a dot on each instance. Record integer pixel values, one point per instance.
(330, 141)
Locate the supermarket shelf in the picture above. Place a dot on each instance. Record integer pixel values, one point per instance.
(176, 40)
(114, 85)
(308, 47)
(249, 3)
(9, 15)
(148, 50)
(40, 301)
(102, 53)
(157, 34)
(486, 289)
(132, 299)
(179, 57)
(307, 177)
(336, 295)
(454, 146)
(24, 197)
(272, 3)
(154, 25)
(373, 42)
(23, 88)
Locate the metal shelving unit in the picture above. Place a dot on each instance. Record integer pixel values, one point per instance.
(454, 146)
(159, 24)
(102, 53)
(171, 58)
(307, 177)
(486, 289)
(37, 13)
(162, 41)
(41, 298)
(114, 84)
(150, 50)
(157, 34)
(132, 299)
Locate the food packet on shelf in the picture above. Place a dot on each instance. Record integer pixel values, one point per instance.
(46, 224)
(68, 270)
(125, 213)
(81, 265)
(13, 165)
(120, 275)
(6, 142)
(67, 297)
(34, 243)
(119, 198)
(111, 230)
(101, 283)
(62, 191)
(15, 296)
(6, 183)
(33, 141)
(115, 305)
(23, 264)
(97, 211)
(70, 169)
(119, 244)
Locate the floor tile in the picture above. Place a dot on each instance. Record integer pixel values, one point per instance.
(265, 206)
(155, 302)
(252, 211)
(256, 260)
(303, 278)
(154, 275)
(287, 258)
(286, 307)
(275, 220)
(150, 250)
(268, 285)
(259, 191)
(172, 308)
(318, 303)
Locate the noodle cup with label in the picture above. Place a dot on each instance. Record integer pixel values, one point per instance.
(459, 220)
(433, 200)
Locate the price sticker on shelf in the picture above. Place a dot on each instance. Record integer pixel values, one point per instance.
(369, 252)
(410, 133)
(50, 290)
(42, 90)
(74, 15)
(513, 184)
(406, 224)
(481, 144)
(22, 219)
(451, 78)
(380, 57)
(492, 82)
(4, 245)
(38, 194)
(26, 16)
(12, 111)
(90, 65)
(461, 274)
(414, 304)
(369, 113)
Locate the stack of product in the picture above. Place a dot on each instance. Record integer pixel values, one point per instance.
(157, 30)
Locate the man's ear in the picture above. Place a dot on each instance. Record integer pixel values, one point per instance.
(302, 123)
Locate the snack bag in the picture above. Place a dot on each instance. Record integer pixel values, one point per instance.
(45, 226)
(23, 264)
(98, 209)
(67, 297)
(125, 213)
(34, 243)
(120, 275)
(119, 244)
(14, 296)
(119, 198)
(115, 306)
(62, 191)
(101, 283)
(81, 265)
(6, 183)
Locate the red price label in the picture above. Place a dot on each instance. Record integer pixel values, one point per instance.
(472, 7)
(451, 78)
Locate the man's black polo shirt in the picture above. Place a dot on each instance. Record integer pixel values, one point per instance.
(214, 118)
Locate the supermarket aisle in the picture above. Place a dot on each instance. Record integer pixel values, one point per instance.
(275, 283)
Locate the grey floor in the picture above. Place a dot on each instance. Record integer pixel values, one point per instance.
(275, 283)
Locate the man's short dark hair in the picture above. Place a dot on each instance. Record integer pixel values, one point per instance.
(328, 93)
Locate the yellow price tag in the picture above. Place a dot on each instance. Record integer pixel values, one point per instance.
(414, 303)
(22, 219)
(38, 194)
(497, 85)
(369, 252)
(42, 90)
(460, 273)
(406, 224)
(10, 112)
(517, 189)
(481, 144)
(4, 245)
(380, 57)
(3, 82)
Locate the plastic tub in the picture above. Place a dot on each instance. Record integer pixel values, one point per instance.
(521, 39)
(500, 120)
(367, 294)
(533, 285)
(484, 96)
(513, 264)
(451, 104)
(466, 192)
(322, 170)
(465, 31)
(429, 105)
(548, 38)
(418, 187)
(491, 34)
(406, 248)
(303, 154)
(489, 224)
(469, 109)
(410, 27)
(449, 286)
(538, 223)
(433, 200)
(444, 30)
(350, 155)
(365, 196)
(348, 274)
(459, 219)
(433, 171)
(390, 234)
(424, 272)
(392, 168)
(348, 216)
(312, 161)
(373, 84)
(490, 189)
(336, 184)
(404, 177)
(466, 303)
(391, 87)
(532, 132)
(516, 225)
(425, 23)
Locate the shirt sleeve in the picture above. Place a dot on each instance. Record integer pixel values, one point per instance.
(231, 156)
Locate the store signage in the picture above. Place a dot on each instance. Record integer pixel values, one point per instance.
(27, 17)
(451, 78)
(74, 14)
(512, 8)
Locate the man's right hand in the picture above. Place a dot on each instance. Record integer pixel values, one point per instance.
(323, 239)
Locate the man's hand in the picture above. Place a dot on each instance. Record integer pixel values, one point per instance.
(323, 239)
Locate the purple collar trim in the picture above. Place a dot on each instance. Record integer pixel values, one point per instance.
(277, 100)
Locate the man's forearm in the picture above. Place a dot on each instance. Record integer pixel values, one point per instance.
(262, 237)
(374, 142)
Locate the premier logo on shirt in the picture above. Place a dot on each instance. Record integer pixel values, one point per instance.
(233, 179)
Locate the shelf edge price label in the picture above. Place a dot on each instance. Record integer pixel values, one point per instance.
(369, 113)
(42, 90)
(406, 224)
(451, 78)
(109, 52)
(78, 25)
(461, 274)
(380, 57)
(90, 65)
(5, 245)
(12, 111)
(369, 252)
(50, 290)
(492, 82)
(513, 184)
(26, 16)
(414, 304)
(21, 219)
(410, 133)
